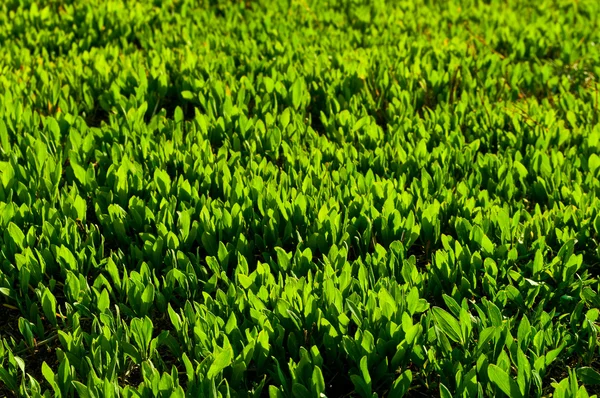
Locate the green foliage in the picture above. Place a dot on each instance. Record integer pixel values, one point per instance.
(299, 198)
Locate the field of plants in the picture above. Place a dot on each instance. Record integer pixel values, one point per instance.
(299, 198)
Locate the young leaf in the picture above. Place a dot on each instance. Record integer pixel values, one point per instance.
(163, 182)
(444, 391)
(448, 324)
(222, 360)
(401, 384)
(503, 381)
(17, 236)
(317, 383)
(297, 94)
(49, 306)
(47, 372)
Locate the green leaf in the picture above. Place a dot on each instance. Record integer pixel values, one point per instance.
(521, 170)
(360, 123)
(49, 306)
(494, 314)
(48, 373)
(245, 280)
(523, 331)
(523, 371)
(503, 381)
(8, 380)
(582, 393)
(178, 115)
(299, 391)
(113, 271)
(551, 355)
(82, 390)
(318, 382)
(25, 329)
(283, 258)
(588, 376)
(504, 224)
(412, 300)
(147, 298)
(103, 301)
(448, 324)
(444, 391)
(66, 258)
(362, 388)
(364, 369)
(222, 359)
(187, 95)
(172, 241)
(54, 128)
(594, 162)
(17, 236)
(78, 170)
(210, 243)
(275, 392)
(163, 182)
(538, 262)
(7, 173)
(297, 94)
(479, 237)
(401, 384)
(4, 138)
(452, 305)
(269, 84)
(142, 332)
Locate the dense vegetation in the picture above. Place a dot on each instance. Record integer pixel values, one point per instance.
(299, 198)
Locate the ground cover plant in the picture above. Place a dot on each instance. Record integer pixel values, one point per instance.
(299, 198)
